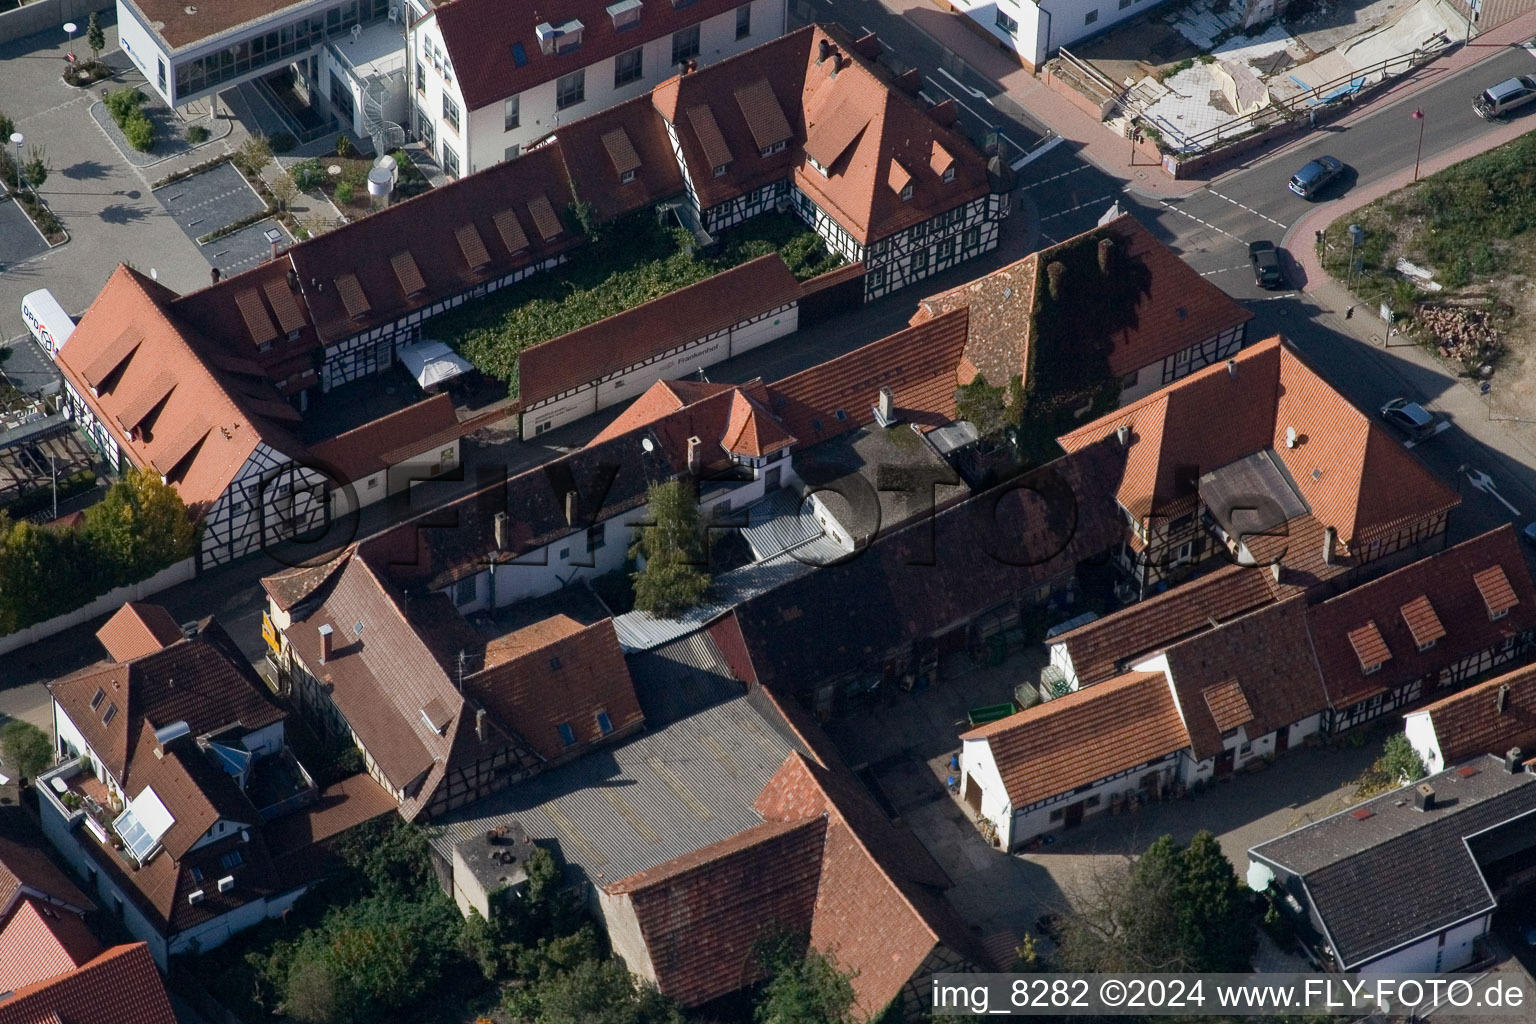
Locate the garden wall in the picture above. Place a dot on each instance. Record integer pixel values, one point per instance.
(49, 15)
(111, 601)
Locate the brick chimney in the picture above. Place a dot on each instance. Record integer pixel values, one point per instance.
(695, 454)
(1330, 545)
(325, 644)
(1424, 797)
(571, 509)
(1512, 761)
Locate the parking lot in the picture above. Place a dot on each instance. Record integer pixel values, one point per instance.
(19, 240)
(245, 248)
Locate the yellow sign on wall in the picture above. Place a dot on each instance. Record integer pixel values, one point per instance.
(269, 634)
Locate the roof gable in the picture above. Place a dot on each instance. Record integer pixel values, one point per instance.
(1493, 717)
(1083, 736)
(124, 978)
(137, 629)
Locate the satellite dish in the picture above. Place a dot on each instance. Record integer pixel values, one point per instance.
(647, 444)
(154, 275)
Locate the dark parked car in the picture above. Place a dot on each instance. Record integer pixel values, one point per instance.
(1315, 176)
(1409, 417)
(1265, 259)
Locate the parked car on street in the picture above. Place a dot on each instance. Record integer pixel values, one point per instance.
(1409, 417)
(1265, 260)
(1510, 94)
(1315, 176)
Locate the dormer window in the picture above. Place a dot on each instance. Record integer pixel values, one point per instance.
(626, 177)
(1371, 670)
(625, 14)
(906, 193)
(777, 147)
(815, 164)
(949, 173)
(720, 170)
(1426, 646)
(556, 39)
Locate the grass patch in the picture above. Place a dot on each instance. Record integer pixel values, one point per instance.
(1459, 222)
(633, 260)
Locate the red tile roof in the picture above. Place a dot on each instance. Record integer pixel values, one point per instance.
(856, 120)
(28, 869)
(1266, 653)
(1447, 582)
(1351, 473)
(1425, 626)
(658, 401)
(1084, 736)
(1099, 648)
(1489, 718)
(1494, 587)
(1179, 308)
(195, 791)
(210, 422)
(337, 807)
(702, 914)
(428, 225)
(752, 431)
(1228, 705)
(360, 452)
(652, 328)
(39, 942)
(123, 978)
(596, 176)
(917, 364)
(137, 629)
(879, 910)
(479, 36)
(204, 681)
(556, 672)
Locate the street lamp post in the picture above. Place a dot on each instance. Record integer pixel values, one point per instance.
(1418, 115)
(18, 139)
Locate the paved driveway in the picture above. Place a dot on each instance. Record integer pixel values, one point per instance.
(19, 240)
(105, 204)
(208, 201)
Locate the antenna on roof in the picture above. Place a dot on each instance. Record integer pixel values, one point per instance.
(461, 671)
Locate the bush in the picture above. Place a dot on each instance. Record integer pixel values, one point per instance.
(122, 104)
(197, 134)
(282, 142)
(140, 133)
(343, 146)
(307, 174)
(344, 192)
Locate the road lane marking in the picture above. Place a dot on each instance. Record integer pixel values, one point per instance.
(974, 94)
(1055, 177)
(1224, 270)
(1440, 428)
(1250, 209)
(1079, 206)
(1204, 223)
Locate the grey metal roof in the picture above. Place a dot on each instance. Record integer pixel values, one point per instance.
(688, 781)
(1253, 494)
(641, 631)
(777, 523)
(1384, 873)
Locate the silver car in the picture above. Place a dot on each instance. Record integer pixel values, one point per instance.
(1409, 417)
(1510, 94)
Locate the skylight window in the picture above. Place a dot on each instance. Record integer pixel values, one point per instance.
(231, 860)
(96, 700)
(111, 713)
(143, 824)
(519, 55)
(567, 734)
(604, 723)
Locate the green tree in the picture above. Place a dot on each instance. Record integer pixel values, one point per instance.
(36, 168)
(311, 992)
(1175, 909)
(7, 126)
(139, 527)
(1398, 765)
(253, 155)
(284, 189)
(25, 748)
(805, 985)
(982, 405)
(594, 992)
(95, 38)
(672, 544)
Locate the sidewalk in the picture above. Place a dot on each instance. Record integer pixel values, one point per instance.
(1106, 149)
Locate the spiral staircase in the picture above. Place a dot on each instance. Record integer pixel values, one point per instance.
(386, 134)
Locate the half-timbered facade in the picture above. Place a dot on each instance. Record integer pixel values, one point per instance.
(1288, 442)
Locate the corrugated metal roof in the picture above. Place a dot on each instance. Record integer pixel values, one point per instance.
(777, 523)
(641, 631)
(667, 792)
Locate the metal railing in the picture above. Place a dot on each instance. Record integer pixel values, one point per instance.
(1343, 89)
